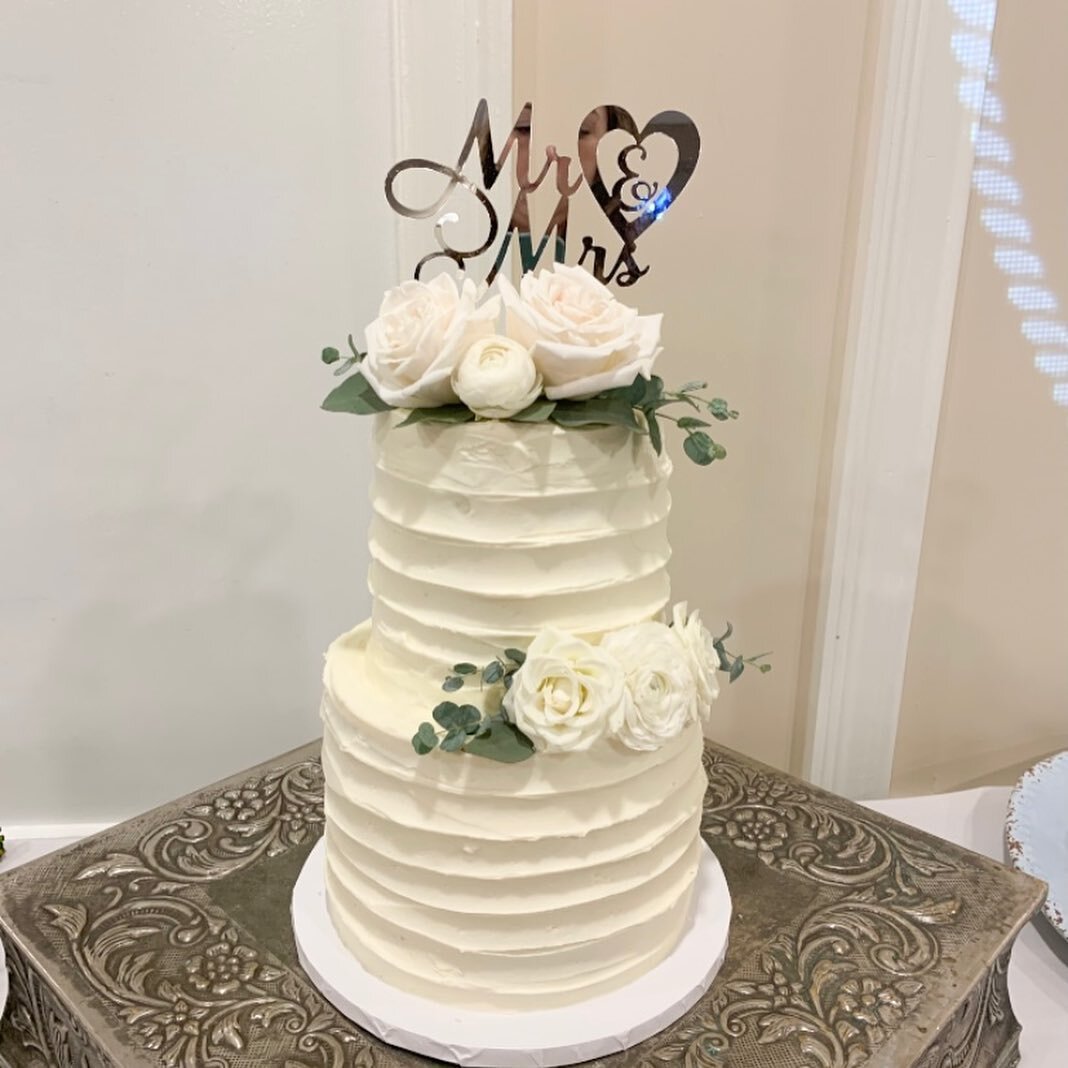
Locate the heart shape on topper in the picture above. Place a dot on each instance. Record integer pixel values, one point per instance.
(631, 220)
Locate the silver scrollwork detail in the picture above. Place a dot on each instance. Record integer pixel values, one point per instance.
(180, 976)
(41, 1025)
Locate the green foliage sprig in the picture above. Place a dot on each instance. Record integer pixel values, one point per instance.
(463, 728)
(733, 665)
(355, 395)
(639, 407)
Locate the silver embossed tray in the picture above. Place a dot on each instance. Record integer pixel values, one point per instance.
(166, 941)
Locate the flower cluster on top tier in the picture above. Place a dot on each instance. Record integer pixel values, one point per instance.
(434, 343)
(639, 686)
(568, 352)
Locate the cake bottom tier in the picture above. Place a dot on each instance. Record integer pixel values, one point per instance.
(498, 887)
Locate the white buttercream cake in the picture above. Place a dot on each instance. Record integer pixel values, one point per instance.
(503, 887)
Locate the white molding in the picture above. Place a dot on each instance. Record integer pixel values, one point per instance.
(25, 832)
(445, 58)
(915, 194)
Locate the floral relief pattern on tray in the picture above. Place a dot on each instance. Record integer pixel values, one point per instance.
(180, 975)
(839, 980)
(834, 990)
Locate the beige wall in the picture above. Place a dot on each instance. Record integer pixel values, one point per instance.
(746, 269)
(986, 686)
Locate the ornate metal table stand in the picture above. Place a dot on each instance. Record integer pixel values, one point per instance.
(855, 941)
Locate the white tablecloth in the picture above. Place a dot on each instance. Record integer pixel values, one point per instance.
(1038, 974)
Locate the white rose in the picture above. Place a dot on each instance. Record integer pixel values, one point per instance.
(582, 339)
(704, 660)
(422, 330)
(565, 694)
(496, 378)
(661, 697)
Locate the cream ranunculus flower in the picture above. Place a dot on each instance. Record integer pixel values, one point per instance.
(496, 378)
(422, 330)
(566, 693)
(661, 697)
(582, 339)
(704, 660)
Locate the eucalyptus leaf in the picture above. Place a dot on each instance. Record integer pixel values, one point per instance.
(720, 409)
(690, 422)
(355, 395)
(637, 391)
(447, 714)
(698, 446)
(736, 669)
(517, 656)
(452, 683)
(503, 742)
(594, 412)
(692, 387)
(330, 355)
(493, 672)
(654, 390)
(763, 668)
(537, 412)
(467, 716)
(454, 741)
(464, 669)
(425, 740)
(447, 413)
(728, 632)
(654, 432)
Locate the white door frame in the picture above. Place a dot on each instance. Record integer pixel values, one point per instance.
(902, 292)
(467, 52)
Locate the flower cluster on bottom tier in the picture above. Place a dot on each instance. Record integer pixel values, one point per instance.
(499, 887)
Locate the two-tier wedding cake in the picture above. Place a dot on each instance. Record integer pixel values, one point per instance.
(513, 740)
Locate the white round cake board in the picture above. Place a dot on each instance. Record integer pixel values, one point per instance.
(593, 1028)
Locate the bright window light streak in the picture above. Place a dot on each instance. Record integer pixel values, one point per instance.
(970, 92)
(972, 50)
(1032, 298)
(1053, 363)
(971, 44)
(996, 185)
(993, 110)
(1045, 332)
(1019, 262)
(990, 145)
(1007, 225)
(977, 13)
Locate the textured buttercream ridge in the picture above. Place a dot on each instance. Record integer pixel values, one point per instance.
(457, 854)
(505, 937)
(533, 989)
(459, 584)
(499, 816)
(476, 615)
(500, 892)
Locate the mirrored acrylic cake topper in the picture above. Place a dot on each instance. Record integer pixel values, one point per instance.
(631, 203)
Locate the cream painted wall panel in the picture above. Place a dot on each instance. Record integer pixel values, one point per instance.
(191, 207)
(986, 685)
(746, 269)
